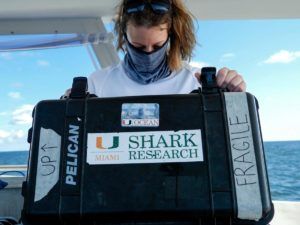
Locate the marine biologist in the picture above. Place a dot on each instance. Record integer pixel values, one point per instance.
(157, 37)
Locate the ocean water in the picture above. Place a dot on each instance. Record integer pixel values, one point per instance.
(283, 163)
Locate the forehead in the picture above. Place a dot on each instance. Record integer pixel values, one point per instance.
(145, 34)
(161, 27)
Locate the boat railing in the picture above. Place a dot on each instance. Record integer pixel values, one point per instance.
(13, 171)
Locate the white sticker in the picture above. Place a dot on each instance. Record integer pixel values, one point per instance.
(145, 147)
(48, 163)
(243, 157)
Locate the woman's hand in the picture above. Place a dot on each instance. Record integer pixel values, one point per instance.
(229, 79)
(66, 94)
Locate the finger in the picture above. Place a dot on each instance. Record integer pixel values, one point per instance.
(241, 87)
(221, 75)
(229, 77)
(235, 81)
(198, 75)
(68, 92)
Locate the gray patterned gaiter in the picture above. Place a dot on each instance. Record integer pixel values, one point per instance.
(144, 67)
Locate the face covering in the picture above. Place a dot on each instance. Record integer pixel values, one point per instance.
(144, 67)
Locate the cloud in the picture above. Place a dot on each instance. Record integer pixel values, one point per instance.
(19, 134)
(283, 56)
(4, 134)
(14, 95)
(227, 56)
(22, 115)
(198, 64)
(43, 63)
(6, 55)
(11, 136)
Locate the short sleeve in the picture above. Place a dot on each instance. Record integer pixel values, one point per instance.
(91, 85)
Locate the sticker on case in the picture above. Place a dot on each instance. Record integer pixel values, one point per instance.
(140, 115)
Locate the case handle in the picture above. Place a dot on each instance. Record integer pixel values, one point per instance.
(208, 81)
(208, 77)
(79, 87)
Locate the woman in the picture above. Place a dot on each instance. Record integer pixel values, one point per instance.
(157, 37)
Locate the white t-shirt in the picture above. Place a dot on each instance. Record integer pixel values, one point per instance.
(113, 82)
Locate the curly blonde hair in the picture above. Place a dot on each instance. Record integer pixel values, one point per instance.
(180, 28)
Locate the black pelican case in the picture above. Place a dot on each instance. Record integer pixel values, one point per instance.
(172, 159)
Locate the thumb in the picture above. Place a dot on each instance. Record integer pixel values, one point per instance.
(198, 75)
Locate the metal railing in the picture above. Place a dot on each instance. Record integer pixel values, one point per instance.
(12, 170)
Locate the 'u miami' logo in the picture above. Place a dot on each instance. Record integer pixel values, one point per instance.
(99, 143)
(126, 122)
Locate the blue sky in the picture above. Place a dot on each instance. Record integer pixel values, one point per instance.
(266, 53)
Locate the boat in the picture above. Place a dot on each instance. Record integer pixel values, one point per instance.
(84, 21)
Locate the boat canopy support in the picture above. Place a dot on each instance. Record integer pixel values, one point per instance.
(30, 34)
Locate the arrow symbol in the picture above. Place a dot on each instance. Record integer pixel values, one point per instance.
(44, 147)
